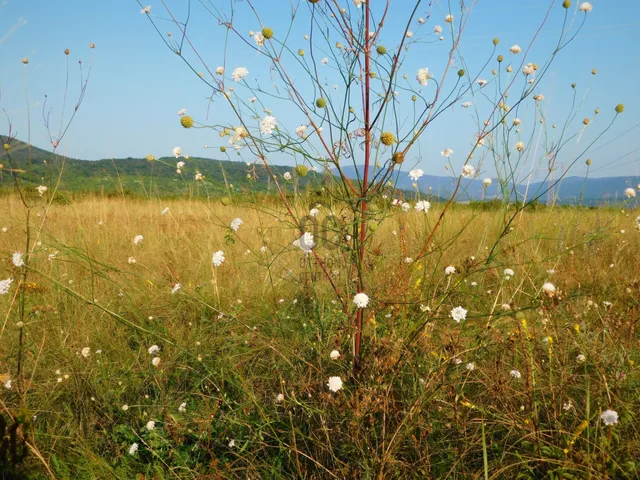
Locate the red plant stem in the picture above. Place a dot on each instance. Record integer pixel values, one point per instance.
(365, 182)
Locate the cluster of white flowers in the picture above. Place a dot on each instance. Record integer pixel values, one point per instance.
(630, 192)
(5, 285)
(361, 300)
(334, 384)
(458, 314)
(235, 224)
(239, 73)
(305, 242)
(268, 125)
(415, 174)
(446, 152)
(18, 259)
(422, 206)
(468, 171)
(217, 258)
(423, 76)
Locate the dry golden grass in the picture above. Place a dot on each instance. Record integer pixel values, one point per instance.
(234, 337)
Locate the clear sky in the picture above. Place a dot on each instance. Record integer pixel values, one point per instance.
(137, 84)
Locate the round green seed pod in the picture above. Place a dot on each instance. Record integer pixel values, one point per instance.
(302, 170)
(186, 121)
(267, 33)
(226, 201)
(381, 49)
(461, 73)
(620, 108)
(588, 162)
(321, 103)
(566, 3)
(223, 149)
(496, 41)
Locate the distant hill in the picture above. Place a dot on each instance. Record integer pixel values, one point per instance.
(569, 190)
(135, 175)
(159, 178)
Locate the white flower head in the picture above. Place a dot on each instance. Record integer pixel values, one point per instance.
(437, 29)
(150, 425)
(581, 358)
(287, 176)
(549, 288)
(182, 111)
(361, 300)
(448, 18)
(470, 366)
(175, 288)
(314, 212)
(486, 182)
(86, 351)
(515, 374)
(17, 259)
(358, 3)
(305, 242)
(515, 49)
(609, 417)
(585, 7)
(177, 152)
(156, 361)
(458, 314)
(415, 174)
(446, 152)
(508, 272)
(520, 146)
(423, 76)
(239, 73)
(450, 270)
(133, 449)
(466, 104)
(41, 189)
(259, 38)
(279, 398)
(334, 384)
(146, 9)
(235, 224)
(630, 192)
(137, 239)
(153, 349)
(220, 70)
(422, 206)
(482, 82)
(468, 171)
(301, 131)
(334, 355)
(267, 125)
(5, 285)
(217, 258)
(183, 407)
(165, 210)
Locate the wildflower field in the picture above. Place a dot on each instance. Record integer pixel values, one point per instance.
(140, 359)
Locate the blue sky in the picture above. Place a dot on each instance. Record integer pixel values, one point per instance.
(137, 84)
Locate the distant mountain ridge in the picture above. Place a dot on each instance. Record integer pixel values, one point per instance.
(571, 189)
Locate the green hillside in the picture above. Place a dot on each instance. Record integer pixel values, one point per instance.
(136, 176)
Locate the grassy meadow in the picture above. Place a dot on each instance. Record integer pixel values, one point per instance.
(226, 375)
